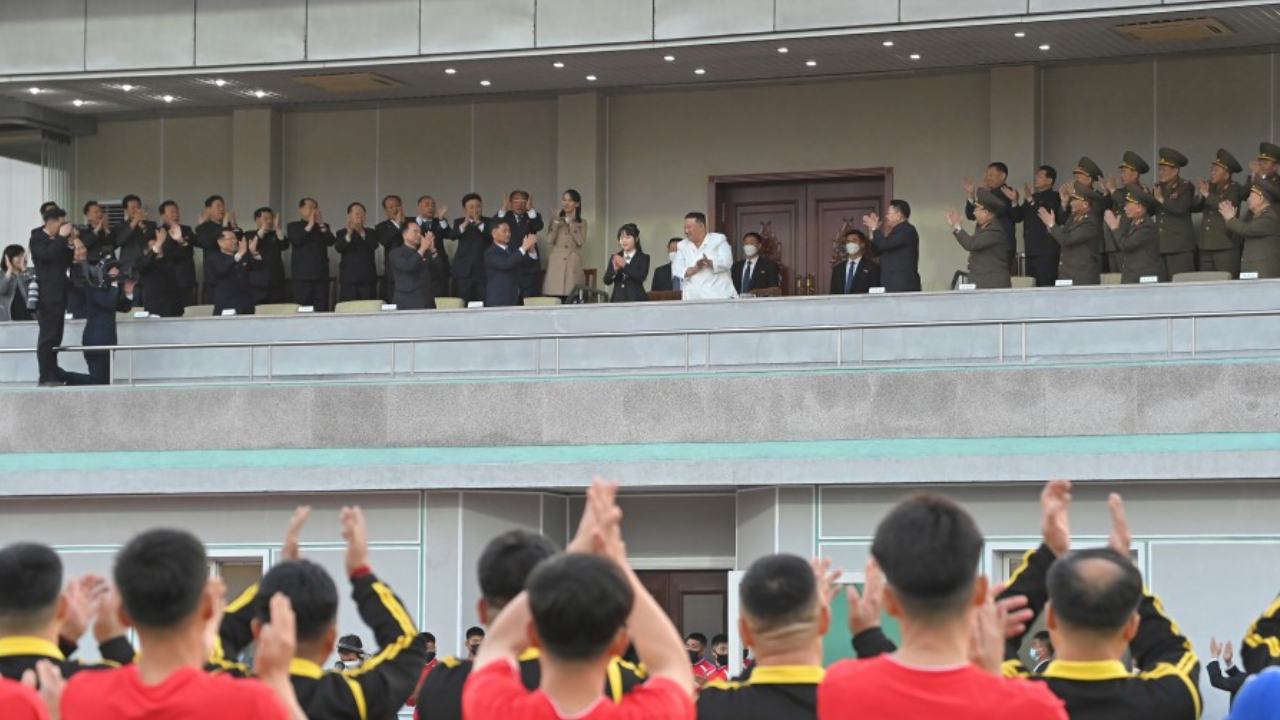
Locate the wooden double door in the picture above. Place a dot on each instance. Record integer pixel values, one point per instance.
(696, 601)
(805, 214)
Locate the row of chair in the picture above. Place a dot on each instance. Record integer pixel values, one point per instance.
(345, 307)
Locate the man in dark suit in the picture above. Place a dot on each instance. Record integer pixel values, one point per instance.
(310, 239)
(503, 264)
(388, 234)
(899, 247)
(996, 180)
(410, 264)
(53, 250)
(267, 275)
(103, 298)
(132, 237)
(158, 269)
(856, 275)
(1043, 252)
(358, 269)
(662, 280)
(473, 233)
(183, 258)
(230, 269)
(1232, 678)
(525, 220)
(1041, 652)
(95, 235)
(208, 238)
(433, 220)
(754, 272)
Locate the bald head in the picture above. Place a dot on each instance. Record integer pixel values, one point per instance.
(1095, 591)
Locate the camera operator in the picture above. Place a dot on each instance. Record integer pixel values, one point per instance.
(53, 249)
(106, 292)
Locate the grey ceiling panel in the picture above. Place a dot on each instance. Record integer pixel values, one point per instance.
(242, 32)
(140, 34)
(341, 29)
(590, 22)
(807, 14)
(1052, 6)
(32, 34)
(930, 10)
(710, 18)
(455, 26)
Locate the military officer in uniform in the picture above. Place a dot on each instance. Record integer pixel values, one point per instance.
(1137, 238)
(1132, 169)
(1261, 232)
(1088, 173)
(1175, 196)
(1078, 236)
(1264, 168)
(988, 247)
(1219, 249)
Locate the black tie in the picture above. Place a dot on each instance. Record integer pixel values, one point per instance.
(746, 278)
(848, 279)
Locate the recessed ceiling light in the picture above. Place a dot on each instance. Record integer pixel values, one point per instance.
(887, 43)
(1019, 34)
(1045, 46)
(811, 63)
(77, 102)
(784, 50)
(220, 82)
(557, 64)
(700, 71)
(450, 71)
(127, 87)
(591, 78)
(914, 56)
(669, 58)
(34, 91)
(259, 94)
(168, 98)
(485, 83)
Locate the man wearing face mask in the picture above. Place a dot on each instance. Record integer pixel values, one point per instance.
(856, 275)
(475, 636)
(754, 272)
(696, 645)
(1041, 651)
(350, 652)
(663, 280)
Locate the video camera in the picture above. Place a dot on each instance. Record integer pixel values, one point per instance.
(99, 274)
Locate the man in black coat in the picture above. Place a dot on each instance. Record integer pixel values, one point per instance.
(898, 246)
(411, 264)
(358, 269)
(230, 269)
(662, 280)
(754, 272)
(131, 239)
(103, 298)
(184, 257)
(856, 275)
(158, 270)
(432, 220)
(310, 239)
(473, 233)
(503, 264)
(95, 235)
(525, 220)
(1043, 252)
(267, 275)
(208, 237)
(996, 180)
(53, 251)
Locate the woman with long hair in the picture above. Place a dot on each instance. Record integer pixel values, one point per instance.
(566, 236)
(13, 284)
(628, 267)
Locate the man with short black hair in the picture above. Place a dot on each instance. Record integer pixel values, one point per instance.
(988, 252)
(995, 181)
(473, 231)
(182, 255)
(1041, 249)
(1041, 651)
(214, 219)
(388, 234)
(663, 280)
(695, 643)
(504, 261)
(170, 599)
(474, 639)
(434, 220)
(377, 688)
(310, 239)
(928, 548)
(40, 620)
(784, 614)
(410, 266)
(1175, 197)
(358, 268)
(581, 610)
(229, 269)
(503, 568)
(525, 220)
(267, 277)
(898, 245)
(53, 251)
(96, 231)
(704, 261)
(754, 271)
(856, 275)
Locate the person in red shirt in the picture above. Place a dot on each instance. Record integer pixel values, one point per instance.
(19, 701)
(928, 549)
(578, 609)
(168, 596)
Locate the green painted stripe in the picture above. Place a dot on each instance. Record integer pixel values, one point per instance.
(658, 452)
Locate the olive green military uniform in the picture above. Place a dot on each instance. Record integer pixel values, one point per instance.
(988, 246)
(1261, 233)
(1079, 261)
(1106, 251)
(1220, 249)
(1173, 218)
(1134, 162)
(1139, 242)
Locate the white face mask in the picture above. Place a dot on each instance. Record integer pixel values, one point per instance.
(671, 257)
(1035, 654)
(750, 250)
(853, 248)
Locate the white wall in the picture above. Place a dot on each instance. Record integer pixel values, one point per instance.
(21, 193)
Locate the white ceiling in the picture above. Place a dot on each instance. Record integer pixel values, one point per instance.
(850, 53)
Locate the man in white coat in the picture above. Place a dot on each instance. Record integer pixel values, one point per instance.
(704, 260)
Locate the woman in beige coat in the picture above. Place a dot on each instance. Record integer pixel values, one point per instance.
(566, 236)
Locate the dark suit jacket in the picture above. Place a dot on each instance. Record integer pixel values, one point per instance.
(628, 284)
(53, 256)
(101, 306)
(269, 271)
(413, 283)
(1005, 217)
(207, 234)
(522, 225)
(1038, 241)
(310, 250)
(440, 269)
(97, 243)
(359, 263)
(232, 289)
(160, 275)
(899, 258)
(469, 259)
(183, 258)
(502, 274)
(1232, 681)
(865, 277)
(131, 242)
(765, 274)
(662, 278)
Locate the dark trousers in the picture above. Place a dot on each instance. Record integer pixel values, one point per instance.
(1044, 268)
(270, 295)
(1175, 263)
(1221, 260)
(51, 318)
(357, 291)
(188, 296)
(312, 292)
(99, 370)
(470, 289)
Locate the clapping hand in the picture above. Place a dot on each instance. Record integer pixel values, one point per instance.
(1112, 220)
(1110, 184)
(969, 188)
(289, 549)
(865, 608)
(871, 221)
(1228, 210)
(1028, 190)
(356, 532)
(443, 212)
(953, 219)
(530, 242)
(253, 245)
(1215, 647)
(1055, 501)
(1228, 654)
(618, 262)
(1203, 187)
(428, 244)
(242, 248)
(1121, 538)
(1046, 217)
(1013, 194)
(1159, 193)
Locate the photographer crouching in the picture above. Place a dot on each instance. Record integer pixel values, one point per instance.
(106, 292)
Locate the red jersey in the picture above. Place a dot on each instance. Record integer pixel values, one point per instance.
(19, 702)
(883, 688)
(495, 692)
(703, 670)
(188, 693)
(720, 673)
(426, 670)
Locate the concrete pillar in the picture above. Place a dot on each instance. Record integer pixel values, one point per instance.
(776, 520)
(1015, 123)
(256, 161)
(581, 164)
